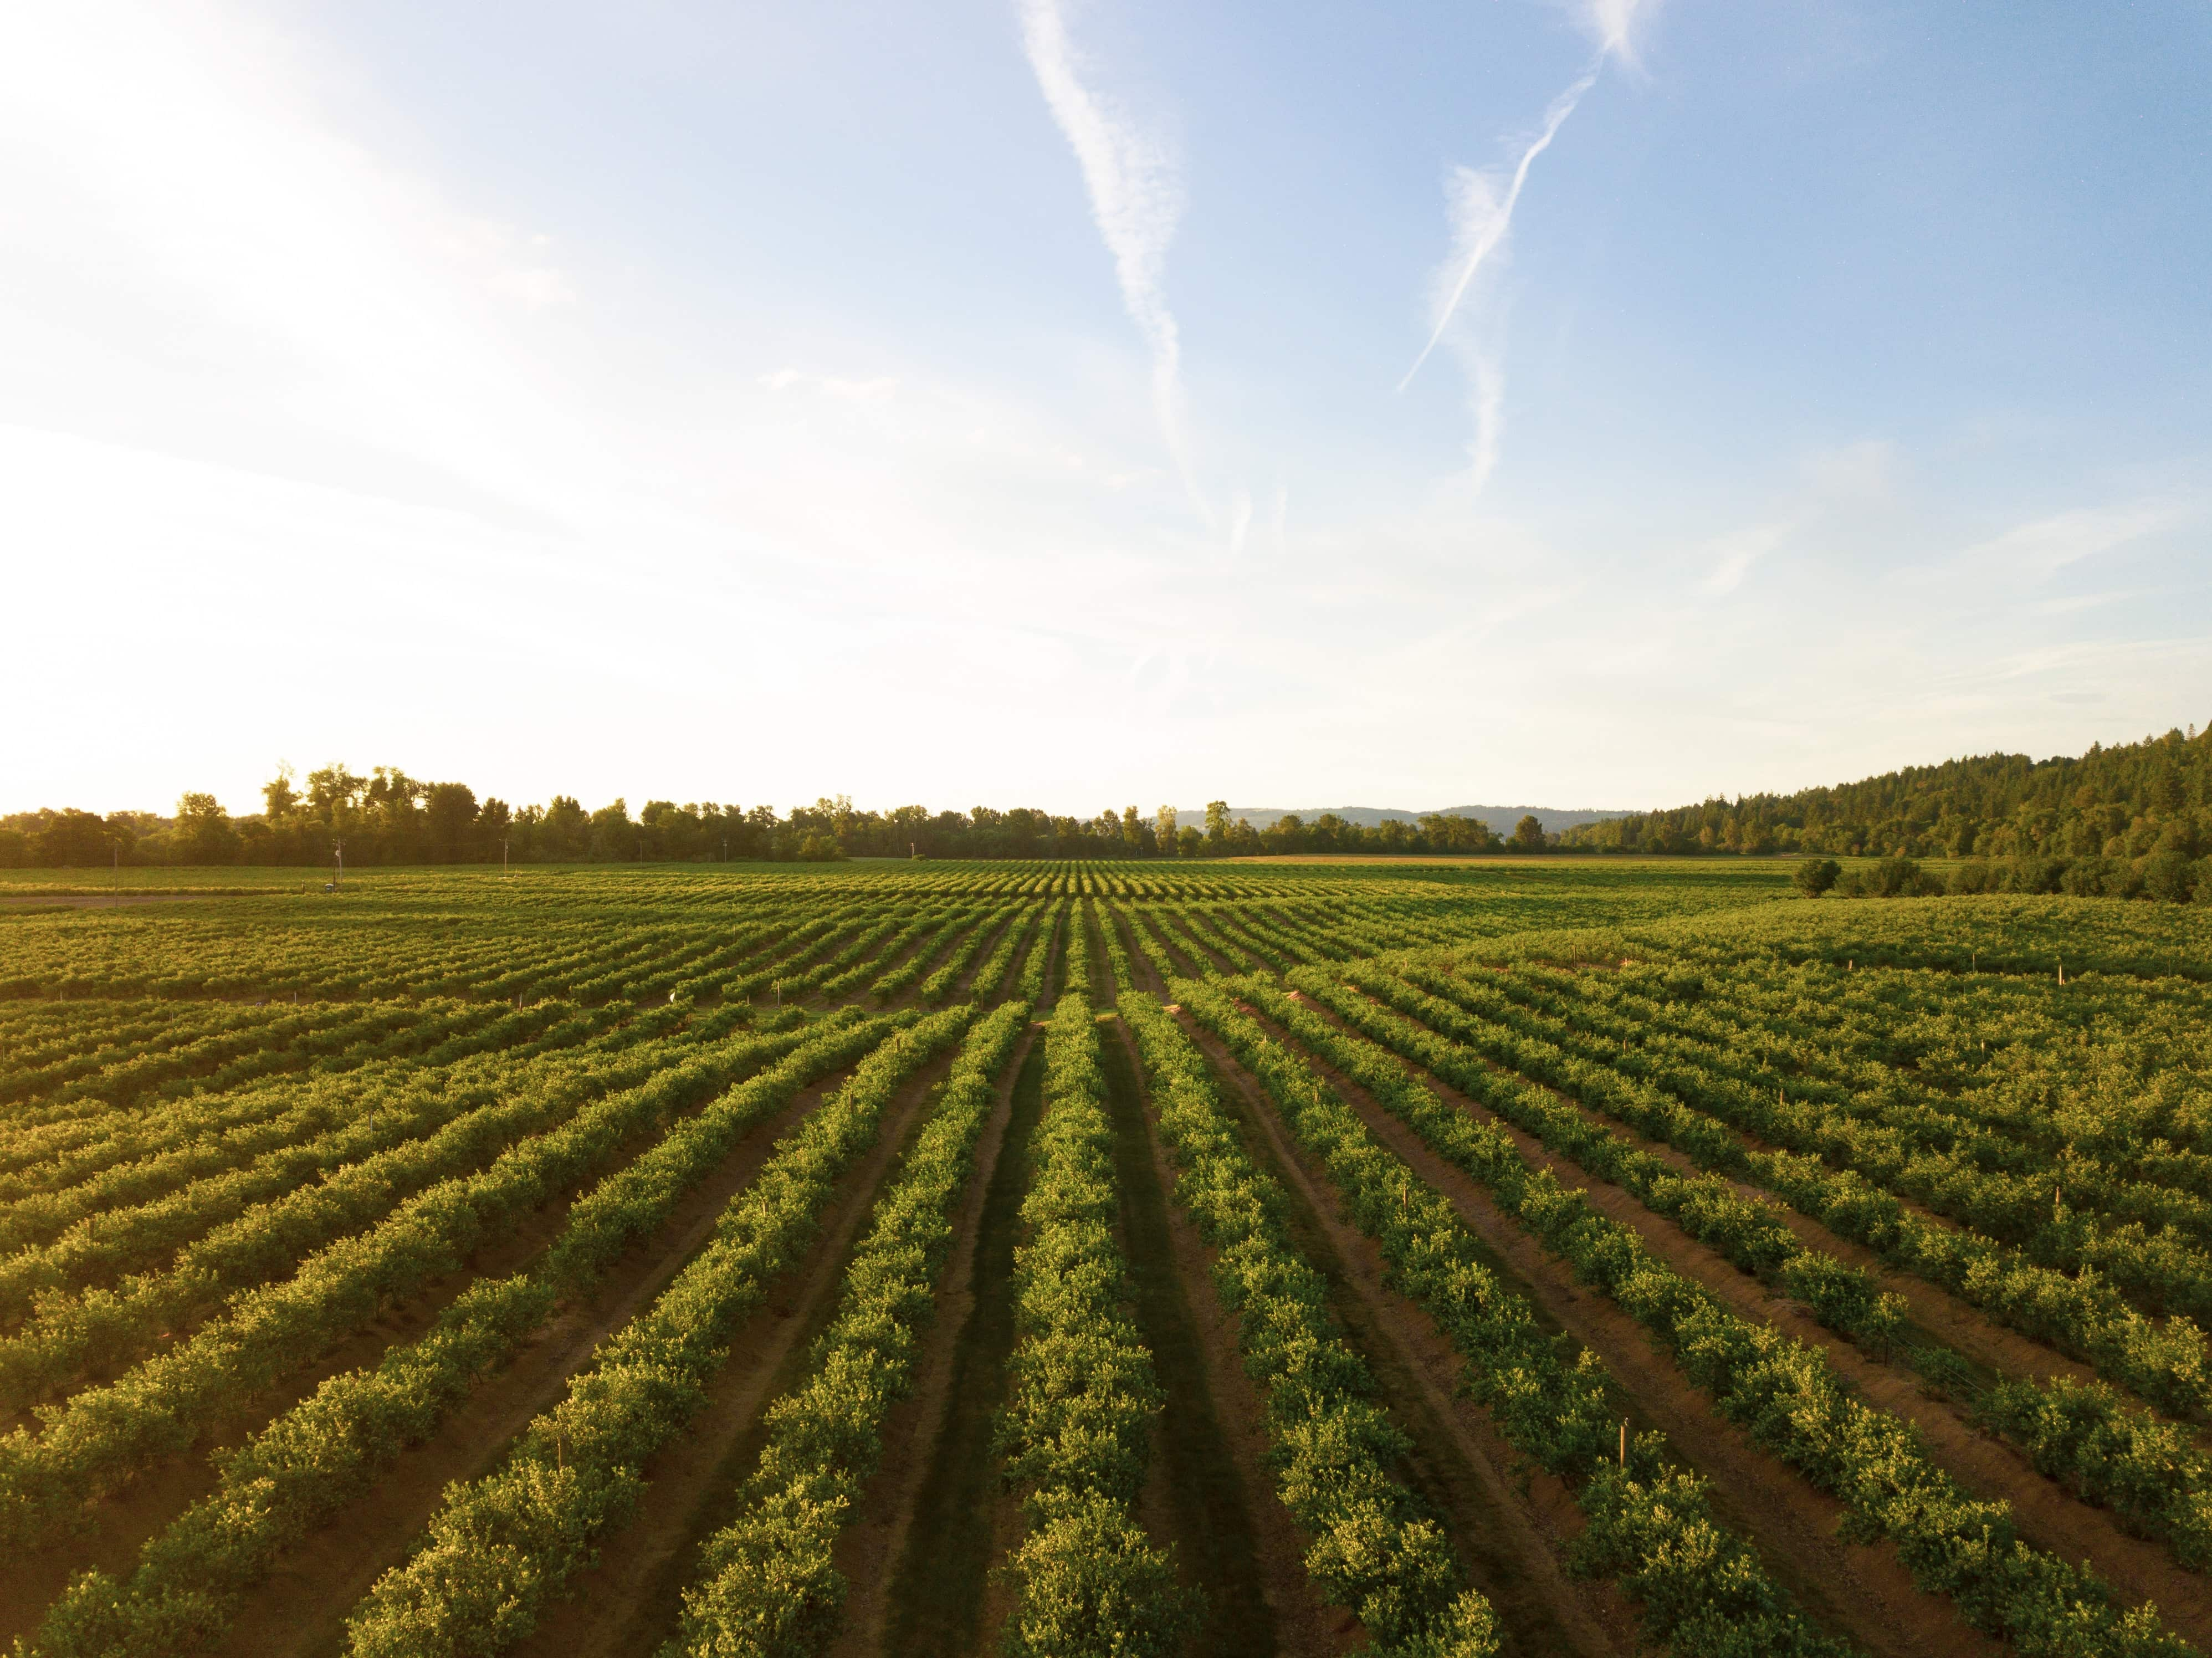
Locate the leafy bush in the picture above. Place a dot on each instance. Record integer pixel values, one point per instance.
(767, 1587)
(1076, 1434)
(1814, 875)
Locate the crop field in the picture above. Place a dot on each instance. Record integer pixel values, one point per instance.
(1543, 1257)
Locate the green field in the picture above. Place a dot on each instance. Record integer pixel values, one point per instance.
(1520, 1254)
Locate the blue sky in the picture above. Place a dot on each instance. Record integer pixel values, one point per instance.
(1011, 402)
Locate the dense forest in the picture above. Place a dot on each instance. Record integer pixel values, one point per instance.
(2128, 822)
(2123, 802)
(389, 817)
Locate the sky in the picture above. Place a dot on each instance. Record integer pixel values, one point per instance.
(1600, 402)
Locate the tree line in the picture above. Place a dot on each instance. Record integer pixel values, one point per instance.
(2125, 803)
(388, 817)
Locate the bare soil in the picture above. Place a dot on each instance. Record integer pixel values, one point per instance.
(1510, 1522)
(1297, 1623)
(2048, 1516)
(303, 1608)
(1864, 1591)
(630, 1600)
(943, 1599)
(1201, 1494)
(883, 1527)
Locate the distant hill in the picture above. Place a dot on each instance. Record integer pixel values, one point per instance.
(1500, 818)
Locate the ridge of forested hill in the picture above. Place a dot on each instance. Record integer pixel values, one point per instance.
(2130, 801)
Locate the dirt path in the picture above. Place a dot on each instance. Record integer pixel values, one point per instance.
(1296, 1622)
(1983, 1463)
(1865, 1591)
(1158, 936)
(870, 1549)
(966, 985)
(1186, 939)
(1959, 1325)
(303, 1608)
(941, 1601)
(1140, 963)
(1103, 988)
(630, 1601)
(1201, 1494)
(121, 1523)
(1508, 1523)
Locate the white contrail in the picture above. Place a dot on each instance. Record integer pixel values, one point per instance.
(1481, 237)
(1482, 218)
(1136, 198)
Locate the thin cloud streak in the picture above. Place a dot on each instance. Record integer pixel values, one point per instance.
(1481, 220)
(1136, 200)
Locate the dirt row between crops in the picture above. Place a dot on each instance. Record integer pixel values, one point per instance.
(1959, 1325)
(630, 1599)
(303, 1607)
(1864, 1591)
(1983, 1463)
(1209, 1491)
(936, 1461)
(122, 1522)
(1510, 1522)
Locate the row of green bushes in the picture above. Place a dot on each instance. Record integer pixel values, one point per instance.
(1081, 1397)
(2147, 1469)
(2082, 1313)
(1785, 1393)
(226, 1247)
(97, 1439)
(1375, 1550)
(1703, 1591)
(766, 1587)
(503, 1546)
(297, 1472)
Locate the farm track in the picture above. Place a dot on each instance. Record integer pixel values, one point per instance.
(1509, 1525)
(1985, 1465)
(630, 1601)
(121, 1522)
(1976, 1334)
(1864, 1591)
(1296, 1624)
(1148, 977)
(1199, 1493)
(965, 984)
(303, 1608)
(870, 1549)
(939, 1596)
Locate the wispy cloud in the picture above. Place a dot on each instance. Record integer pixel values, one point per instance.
(2044, 546)
(1613, 24)
(1481, 215)
(1136, 199)
(1481, 205)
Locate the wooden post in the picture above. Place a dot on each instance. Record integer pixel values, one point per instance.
(1623, 1444)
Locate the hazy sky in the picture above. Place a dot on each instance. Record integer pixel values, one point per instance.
(1079, 404)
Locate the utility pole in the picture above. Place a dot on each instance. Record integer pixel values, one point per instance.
(503, 869)
(337, 851)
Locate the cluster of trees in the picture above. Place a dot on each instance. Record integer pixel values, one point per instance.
(389, 817)
(2128, 802)
(2170, 877)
